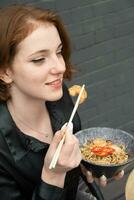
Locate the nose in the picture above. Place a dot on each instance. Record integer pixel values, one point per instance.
(57, 64)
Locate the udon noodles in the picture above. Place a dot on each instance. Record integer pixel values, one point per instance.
(101, 151)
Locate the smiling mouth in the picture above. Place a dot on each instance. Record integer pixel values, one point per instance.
(56, 82)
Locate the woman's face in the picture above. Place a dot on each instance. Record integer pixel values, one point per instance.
(38, 67)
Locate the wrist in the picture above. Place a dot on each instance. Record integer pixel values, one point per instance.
(53, 178)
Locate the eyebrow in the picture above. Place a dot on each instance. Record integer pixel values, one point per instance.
(46, 50)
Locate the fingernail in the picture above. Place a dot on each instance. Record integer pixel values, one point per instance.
(103, 178)
(89, 177)
(89, 173)
(121, 173)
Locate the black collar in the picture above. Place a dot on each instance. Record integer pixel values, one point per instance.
(18, 143)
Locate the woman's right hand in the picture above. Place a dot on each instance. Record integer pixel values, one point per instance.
(69, 158)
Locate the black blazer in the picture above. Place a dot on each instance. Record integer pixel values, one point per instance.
(22, 157)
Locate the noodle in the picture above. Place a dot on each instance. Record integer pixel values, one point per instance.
(101, 151)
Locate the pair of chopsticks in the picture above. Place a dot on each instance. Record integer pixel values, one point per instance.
(57, 152)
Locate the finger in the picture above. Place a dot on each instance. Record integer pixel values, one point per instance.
(69, 136)
(67, 126)
(70, 144)
(76, 154)
(74, 159)
(103, 181)
(69, 129)
(64, 126)
(59, 134)
(56, 139)
(119, 175)
(83, 169)
(89, 176)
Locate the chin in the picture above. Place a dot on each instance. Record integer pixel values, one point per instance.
(56, 96)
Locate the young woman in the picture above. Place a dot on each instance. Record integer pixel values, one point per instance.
(34, 105)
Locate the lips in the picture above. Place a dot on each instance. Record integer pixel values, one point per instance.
(55, 82)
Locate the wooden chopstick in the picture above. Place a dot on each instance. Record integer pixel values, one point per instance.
(57, 152)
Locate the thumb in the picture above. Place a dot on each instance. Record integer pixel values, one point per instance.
(69, 129)
(103, 181)
(64, 126)
(68, 133)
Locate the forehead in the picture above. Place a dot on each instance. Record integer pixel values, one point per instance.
(45, 36)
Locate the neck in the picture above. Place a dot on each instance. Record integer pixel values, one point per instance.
(32, 119)
(31, 116)
(32, 112)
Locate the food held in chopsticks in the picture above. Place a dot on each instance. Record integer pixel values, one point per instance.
(101, 151)
(75, 90)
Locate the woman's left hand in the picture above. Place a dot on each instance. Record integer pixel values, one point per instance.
(103, 179)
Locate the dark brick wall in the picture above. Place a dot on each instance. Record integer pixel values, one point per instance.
(102, 34)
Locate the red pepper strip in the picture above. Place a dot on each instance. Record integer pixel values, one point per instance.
(109, 150)
(102, 151)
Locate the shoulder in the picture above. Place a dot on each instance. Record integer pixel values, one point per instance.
(6, 123)
(5, 154)
(3, 126)
(4, 147)
(6, 133)
(2, 141)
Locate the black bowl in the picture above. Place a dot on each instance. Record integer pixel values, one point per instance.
(117, 136)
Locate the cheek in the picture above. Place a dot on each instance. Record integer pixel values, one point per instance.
(34, 80)
(38, 77)
(34, 76)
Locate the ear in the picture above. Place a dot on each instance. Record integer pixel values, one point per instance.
(6, 76)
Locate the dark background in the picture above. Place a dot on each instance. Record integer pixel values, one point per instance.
(102, 34)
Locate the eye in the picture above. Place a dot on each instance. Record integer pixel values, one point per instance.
(59, 52)
(38, 60)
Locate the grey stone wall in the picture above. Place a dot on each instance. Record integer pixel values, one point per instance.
(102, 34)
